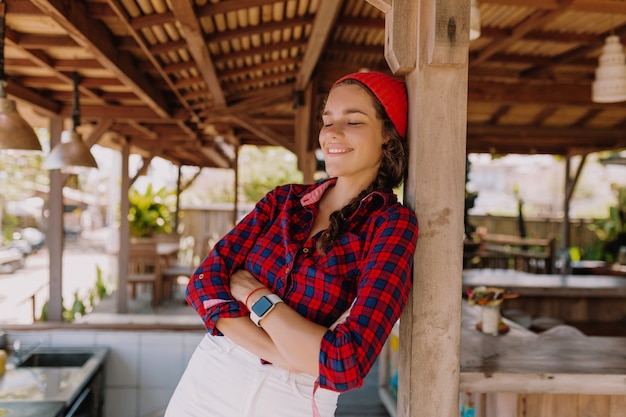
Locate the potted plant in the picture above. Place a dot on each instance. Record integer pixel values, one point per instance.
(150, 212)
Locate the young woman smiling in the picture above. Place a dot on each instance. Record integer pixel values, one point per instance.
(299, 298)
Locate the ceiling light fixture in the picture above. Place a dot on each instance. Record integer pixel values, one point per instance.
(71, 154)
(15, 133)
(610, 83)
(474, 21)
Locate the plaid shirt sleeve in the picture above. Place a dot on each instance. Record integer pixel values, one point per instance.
(208, 291)
(348, 352)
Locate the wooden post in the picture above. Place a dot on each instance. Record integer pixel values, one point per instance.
(124, 234)
(304, 133)
(54, 232)
(430, 329)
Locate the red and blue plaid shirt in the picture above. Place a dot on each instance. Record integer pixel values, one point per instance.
(370, 262)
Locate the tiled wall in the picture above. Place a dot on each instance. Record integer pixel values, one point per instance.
(142, 369)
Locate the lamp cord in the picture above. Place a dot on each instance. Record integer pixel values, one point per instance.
(75, 108)
(2, 30)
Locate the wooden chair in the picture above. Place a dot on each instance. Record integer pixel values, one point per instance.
(144, 269)
(183, 267)
(514, 252)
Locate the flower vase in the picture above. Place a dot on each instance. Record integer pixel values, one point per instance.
(490, 319)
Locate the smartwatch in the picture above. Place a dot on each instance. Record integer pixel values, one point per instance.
(263, 306)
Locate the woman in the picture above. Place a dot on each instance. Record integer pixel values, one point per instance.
(300, 296)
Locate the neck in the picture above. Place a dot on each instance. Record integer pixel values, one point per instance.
(343, 192)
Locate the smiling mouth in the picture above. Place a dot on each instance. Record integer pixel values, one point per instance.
(336, 151)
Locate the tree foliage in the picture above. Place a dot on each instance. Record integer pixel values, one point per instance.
(263, 168)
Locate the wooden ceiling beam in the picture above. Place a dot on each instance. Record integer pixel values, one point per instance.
(116, 112)
(94, 36)
(42, 60)
(122, 15)
(258, 51)
(262, 132)
(194, 35)
(536, 20)
(526, 132)
(211, 9)
(154, 19)
(42, 105)
(229, 35)
(323, 23)
(515, 94)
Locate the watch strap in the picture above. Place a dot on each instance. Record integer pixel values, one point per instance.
(273, 299)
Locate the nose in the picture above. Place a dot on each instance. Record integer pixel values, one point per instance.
(332, 131)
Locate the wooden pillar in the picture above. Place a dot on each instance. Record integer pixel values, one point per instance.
(124, 234)
(54, 232)
(305, 136)
(430, 328)
(178, 192)
(236, 186)
(565, 236)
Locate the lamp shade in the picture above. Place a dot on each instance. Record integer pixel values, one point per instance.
(474, 21)
(610, 83)
(70, 154)
(15, 133)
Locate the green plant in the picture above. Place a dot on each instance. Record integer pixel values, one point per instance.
(80, 307)
(150, 212)
(612, 231)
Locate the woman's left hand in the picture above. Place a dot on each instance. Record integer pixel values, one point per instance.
(242, 283)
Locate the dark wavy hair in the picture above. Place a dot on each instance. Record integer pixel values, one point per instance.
(391, 172)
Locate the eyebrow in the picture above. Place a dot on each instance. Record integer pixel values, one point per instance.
(347, 111)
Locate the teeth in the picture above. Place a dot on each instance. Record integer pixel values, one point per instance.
(336, 150)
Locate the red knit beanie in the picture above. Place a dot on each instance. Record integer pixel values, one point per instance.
(391, 93)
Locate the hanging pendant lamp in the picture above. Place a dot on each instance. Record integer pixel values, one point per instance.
(610, 83)
(15, 133)
(71, 154)
(474, 21)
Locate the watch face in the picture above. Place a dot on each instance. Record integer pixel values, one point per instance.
(261, 306)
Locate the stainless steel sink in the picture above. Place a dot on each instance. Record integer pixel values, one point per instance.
(55, 359)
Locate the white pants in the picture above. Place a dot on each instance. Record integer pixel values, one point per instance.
(225, 380)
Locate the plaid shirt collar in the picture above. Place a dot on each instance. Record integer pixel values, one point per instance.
(313, 196)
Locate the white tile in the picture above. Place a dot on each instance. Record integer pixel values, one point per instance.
(152, 400)
(73, 338)
(121, 403)
(161, 339)
(117, 338)
(160, 366)
(30, 339)
(122, 366)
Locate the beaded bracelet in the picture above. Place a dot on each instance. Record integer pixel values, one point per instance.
(252, 292)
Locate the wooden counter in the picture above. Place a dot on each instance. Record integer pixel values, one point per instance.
(582, 299)
(525, 374)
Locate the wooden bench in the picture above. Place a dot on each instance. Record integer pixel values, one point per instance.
(510, 252)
